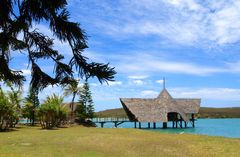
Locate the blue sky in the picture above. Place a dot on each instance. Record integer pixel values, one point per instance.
(195, 45)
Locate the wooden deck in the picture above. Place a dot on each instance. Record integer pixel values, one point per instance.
(179, 123)
(115, 121)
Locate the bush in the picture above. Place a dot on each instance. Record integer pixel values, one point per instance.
(7, 114)
(27, 111)
(51, 114)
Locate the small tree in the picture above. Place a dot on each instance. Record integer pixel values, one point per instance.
(7, 112)
(86, 107)
(27, 111)
(90, 111)
(72, 89)
(31, 104)
(81, 112)
(14, 97)
(51, 114)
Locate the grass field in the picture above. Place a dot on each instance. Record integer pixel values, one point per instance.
(204, 112)
(80, 141)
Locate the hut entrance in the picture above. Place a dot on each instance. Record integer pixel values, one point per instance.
(172, 116)
(176, 119)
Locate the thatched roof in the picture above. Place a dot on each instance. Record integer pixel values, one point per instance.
(68, 106)
(156, 110)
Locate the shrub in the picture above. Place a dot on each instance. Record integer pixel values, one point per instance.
(27, 111)
(7, 113)
(51, 114)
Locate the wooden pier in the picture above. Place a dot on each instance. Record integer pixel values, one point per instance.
(177, 123)
(115, 121)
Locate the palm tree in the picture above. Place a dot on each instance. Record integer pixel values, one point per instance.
(6, 111)
(72, 89)
(15, 98)
(51, 112)
(28, 111)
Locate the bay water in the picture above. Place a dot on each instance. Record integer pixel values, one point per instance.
(227, 127)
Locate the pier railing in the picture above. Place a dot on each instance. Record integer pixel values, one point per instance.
(114, 120)
(109, 119)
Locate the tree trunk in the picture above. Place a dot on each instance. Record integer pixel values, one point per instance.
(33, 118)
(72, 103)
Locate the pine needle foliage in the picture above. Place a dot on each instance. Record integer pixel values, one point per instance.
(85, 109)
(31, 104)
(21, 18)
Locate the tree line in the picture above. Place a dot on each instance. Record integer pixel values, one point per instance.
(51, 113)
(19, 33)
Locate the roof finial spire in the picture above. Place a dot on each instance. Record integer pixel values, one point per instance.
(163, 82)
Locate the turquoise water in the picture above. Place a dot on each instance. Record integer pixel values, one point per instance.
(213, 127)
(23, 121)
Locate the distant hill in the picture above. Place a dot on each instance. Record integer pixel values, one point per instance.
(118, 112)
(233, 112)
(205, 112)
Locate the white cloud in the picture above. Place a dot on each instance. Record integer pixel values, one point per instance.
(186, 4)
(142, 65)
(26, 72)
(220, 94)
(230, 94)
(138, 82)
(149, 93)
(159, 81)
(114, 83)
(94, 84)
(180, 21)
(154, 64)
(138, 77)
(50, 90)
(235, 67)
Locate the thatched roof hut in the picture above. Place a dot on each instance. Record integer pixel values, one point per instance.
(161, 109)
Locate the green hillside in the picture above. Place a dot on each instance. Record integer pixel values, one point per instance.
(204, 112)
(118, 112)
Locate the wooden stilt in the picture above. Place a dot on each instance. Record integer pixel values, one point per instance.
(154, 125)
(193, 121)
(115, 124)
(173, 124)
(102, 124)
(185, 124)
(181, 122)
(139, 125)
(176, 123)
(148, 125)
(164, 125)
(135, 124)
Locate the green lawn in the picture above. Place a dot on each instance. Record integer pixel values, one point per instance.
(84, 142)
